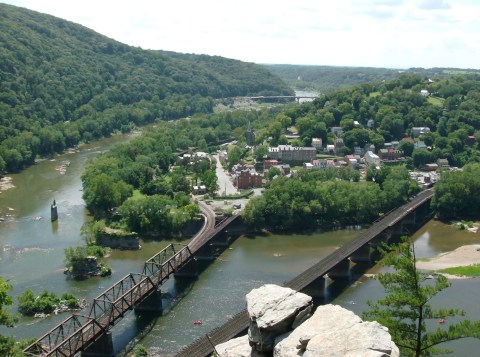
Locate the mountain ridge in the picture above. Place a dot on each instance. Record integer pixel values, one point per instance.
(62, 83)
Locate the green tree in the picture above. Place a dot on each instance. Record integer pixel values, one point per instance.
(405, 310)
(407, 147)
(7, 344)
(102, 193)
(272, 172)
(6, 319)
(234, 155)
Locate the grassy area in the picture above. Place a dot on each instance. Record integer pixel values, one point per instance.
(424, 259)
(471, 271)
(137, 194)
(436, 101)
(374, 94)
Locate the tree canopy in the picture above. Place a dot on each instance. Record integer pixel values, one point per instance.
(61, 83)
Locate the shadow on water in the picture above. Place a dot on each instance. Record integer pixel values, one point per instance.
(142, 322)
(324, 290)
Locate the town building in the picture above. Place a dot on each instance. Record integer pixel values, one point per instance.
(269, 163)
(250, 135)
(420, 145)
(241, 167)
(443, 164)
(247, 179)
(291, 154)
(470, 140)
(419, 130)
(284, 169)
(339, 145)
(317, 143)
(337, 131)
(390, 154)
(371, 159)
(199, 190)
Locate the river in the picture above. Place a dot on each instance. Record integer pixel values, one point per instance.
(31, 256)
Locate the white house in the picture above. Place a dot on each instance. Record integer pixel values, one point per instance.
(419, 130)
(424, 92)
(372, 159)
(317, 143)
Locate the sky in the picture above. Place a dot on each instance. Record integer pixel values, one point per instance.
(370, 33)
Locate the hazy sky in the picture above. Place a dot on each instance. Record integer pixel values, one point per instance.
(374, 33)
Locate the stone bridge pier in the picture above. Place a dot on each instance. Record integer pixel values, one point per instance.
(102, 347)
(152, 303)
(341, 271)
(367, 254)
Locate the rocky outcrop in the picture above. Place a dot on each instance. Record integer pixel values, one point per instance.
(331, 331)
(237, 347)
(273, 311)
(335, 331)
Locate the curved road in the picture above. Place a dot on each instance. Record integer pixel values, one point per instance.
(196, 242)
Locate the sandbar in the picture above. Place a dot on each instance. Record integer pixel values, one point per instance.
(462, 256)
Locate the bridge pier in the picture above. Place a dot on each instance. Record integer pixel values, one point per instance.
(316, 289)
(189, 271)
(340, 271)
(152, 303)
(362, 255)
(103, 347)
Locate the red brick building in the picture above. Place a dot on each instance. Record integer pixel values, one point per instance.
(390, 154)
(247, 179)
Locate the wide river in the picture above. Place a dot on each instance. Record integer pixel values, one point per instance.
(32, 254)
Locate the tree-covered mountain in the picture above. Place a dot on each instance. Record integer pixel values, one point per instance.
(326, 79)
(61, 83)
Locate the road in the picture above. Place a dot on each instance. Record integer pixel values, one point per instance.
(223, 178)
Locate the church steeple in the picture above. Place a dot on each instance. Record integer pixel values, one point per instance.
(250, 135)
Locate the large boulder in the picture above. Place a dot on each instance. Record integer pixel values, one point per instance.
(237, 347)
(273, 311)
(335, 331)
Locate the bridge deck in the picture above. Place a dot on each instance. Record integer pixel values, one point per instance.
(239, 323)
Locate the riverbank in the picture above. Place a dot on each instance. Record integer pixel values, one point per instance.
(6, 183)
(463, 256)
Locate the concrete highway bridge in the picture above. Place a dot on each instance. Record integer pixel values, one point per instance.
(335, 266)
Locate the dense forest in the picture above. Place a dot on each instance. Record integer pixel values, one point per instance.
(326, 198)
(61, 84)
(327, 79)
(324, 79)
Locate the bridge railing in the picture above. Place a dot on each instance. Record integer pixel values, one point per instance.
(64, 339)
(121, 297)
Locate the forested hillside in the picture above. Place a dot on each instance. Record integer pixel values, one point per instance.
(325, 79)
(329, 78)
(61, 83)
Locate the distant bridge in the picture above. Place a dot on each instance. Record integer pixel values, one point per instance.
(79, 333)
(335, 264)
(276, 97)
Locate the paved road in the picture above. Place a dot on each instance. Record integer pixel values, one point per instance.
(223, 179)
